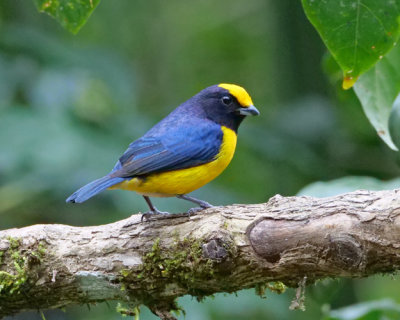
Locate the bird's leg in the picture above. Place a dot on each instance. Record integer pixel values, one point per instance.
(201, 203)
(153, 210)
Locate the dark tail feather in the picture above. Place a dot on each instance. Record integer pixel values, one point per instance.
(93, 188)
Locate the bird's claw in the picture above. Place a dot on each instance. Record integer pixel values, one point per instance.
(205, 205)
(194, 210)
(156, 213)
(198, 209)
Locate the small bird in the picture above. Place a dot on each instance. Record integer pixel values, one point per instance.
(183, 152)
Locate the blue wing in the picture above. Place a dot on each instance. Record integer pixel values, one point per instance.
(170, 147)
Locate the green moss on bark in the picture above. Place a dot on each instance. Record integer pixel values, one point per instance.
(18, 267)
(127, 311)
(277, 287)
(182, 262)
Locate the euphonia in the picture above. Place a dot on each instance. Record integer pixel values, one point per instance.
(184, 151)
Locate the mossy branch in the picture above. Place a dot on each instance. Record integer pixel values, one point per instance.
(290, 240)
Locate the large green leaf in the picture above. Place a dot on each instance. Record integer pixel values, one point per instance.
(377, 90)
(71, 14)
(357, 33)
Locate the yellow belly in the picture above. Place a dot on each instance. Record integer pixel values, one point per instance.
(171, 183)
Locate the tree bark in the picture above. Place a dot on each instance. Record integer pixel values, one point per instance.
(223, 249)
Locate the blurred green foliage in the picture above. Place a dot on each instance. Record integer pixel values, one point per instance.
(72, 14)
(70, 105)
(372, 310)
(347, 184)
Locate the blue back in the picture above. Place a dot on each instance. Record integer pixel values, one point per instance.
(174, 143)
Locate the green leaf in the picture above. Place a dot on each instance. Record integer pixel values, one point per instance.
(371, 310)
(357, 33)
(71, 14)
(394, 122)
(347, 184)
(377, 90)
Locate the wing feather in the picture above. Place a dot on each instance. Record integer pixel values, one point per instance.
(180, 148)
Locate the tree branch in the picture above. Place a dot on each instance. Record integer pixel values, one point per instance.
(221, 249)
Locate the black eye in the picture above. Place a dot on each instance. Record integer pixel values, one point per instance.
(227, 100)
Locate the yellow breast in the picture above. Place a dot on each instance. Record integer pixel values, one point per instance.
(171, 183)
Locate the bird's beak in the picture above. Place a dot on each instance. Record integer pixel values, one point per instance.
(249, 111)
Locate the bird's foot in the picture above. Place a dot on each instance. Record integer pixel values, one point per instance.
(194, 210)
(198, 209)
(205, 204)
(154, 213)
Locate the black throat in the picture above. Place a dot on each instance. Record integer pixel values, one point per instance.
(231, 121)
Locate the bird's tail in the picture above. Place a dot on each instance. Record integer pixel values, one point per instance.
(93, 188)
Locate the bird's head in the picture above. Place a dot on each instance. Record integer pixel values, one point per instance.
(226, 104)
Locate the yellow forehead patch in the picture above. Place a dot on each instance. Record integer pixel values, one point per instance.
(239, 93)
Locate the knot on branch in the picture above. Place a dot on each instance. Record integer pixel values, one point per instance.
(326, 237)
(271, 238)
(215, 249)
(346, 251)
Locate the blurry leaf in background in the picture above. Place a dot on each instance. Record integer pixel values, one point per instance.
(331, 68)
(347, 184)
(394, 121)
(372, 310)
(377, 90)
(356, 33)
(71, 14)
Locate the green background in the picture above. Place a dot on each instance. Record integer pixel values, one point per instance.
(70, 105)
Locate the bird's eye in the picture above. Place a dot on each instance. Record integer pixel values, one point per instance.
(227, 100)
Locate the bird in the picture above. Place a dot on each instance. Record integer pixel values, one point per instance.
(184, 151)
